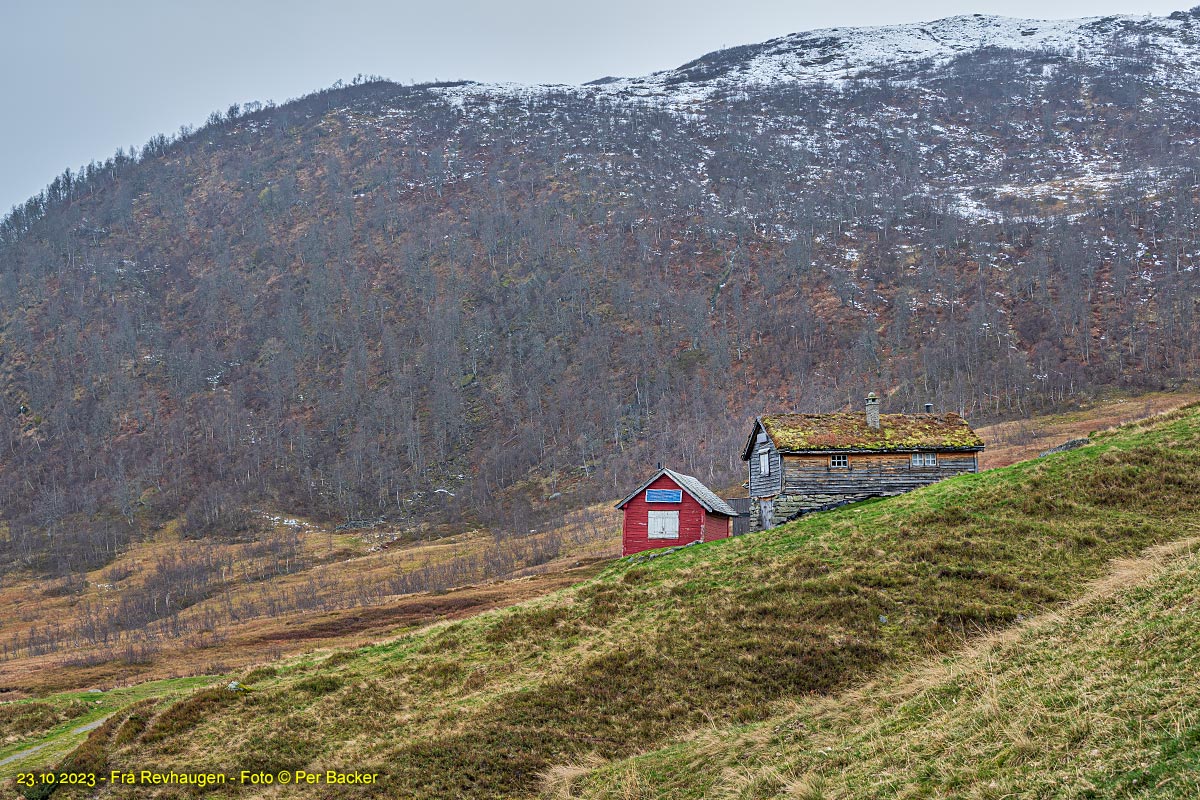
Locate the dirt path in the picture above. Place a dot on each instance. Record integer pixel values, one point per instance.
(28, 751)
(22, 753)
(91, 726)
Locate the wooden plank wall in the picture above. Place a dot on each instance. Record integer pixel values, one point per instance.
(716, 527)
(741, 523)
(886, 473)
(765, 485)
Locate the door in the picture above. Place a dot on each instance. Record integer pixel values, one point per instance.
(766, 513)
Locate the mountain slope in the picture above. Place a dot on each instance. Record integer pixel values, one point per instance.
(1167, 48)
(712, 635)
(483, 306)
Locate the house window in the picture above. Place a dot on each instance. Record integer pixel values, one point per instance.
(841, 460)
(662, 525)
(924, 459)
(764, 462)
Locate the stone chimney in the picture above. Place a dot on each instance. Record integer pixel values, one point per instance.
(873, 411)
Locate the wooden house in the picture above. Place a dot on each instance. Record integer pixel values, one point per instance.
(798, 462)
(672, 509)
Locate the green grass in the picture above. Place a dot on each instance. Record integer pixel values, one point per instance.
(50, 723)
(716, 636)
(1098, 701)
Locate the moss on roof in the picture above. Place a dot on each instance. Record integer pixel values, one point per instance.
(849, 431)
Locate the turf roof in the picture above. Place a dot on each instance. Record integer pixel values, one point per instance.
(849, 431)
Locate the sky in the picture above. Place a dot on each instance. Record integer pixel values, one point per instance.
(80, 78)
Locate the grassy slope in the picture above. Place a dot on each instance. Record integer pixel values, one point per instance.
(333, 569)
(1020, 439)
(1099, 701)
(719, 634)
(38, 733)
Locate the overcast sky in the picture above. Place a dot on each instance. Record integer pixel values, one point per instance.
(80, 79)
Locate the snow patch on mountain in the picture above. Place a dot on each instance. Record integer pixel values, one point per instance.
(1170, 45)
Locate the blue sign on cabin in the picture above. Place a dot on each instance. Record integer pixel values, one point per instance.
(664, 495)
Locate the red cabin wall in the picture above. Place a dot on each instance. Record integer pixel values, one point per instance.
(634, 537)
(716, 527)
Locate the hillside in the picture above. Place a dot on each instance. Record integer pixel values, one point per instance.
(1097, 700)
(711, 637)
(480, 305)
(169, 606)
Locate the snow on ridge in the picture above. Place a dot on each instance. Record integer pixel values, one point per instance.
(834, 55)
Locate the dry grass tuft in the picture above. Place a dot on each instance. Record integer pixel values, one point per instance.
(806, 787)
(558, 782)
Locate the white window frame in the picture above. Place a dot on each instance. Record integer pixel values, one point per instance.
(924, 459)
(764, 462)
(839, 461)
(662, 524)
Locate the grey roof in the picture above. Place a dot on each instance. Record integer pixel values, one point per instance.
(703, 495)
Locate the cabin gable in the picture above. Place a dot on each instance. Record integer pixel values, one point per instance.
(669, 510)
(766, 464)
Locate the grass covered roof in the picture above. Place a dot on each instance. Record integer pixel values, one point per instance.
(850, 431)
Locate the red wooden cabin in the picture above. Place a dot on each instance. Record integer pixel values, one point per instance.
(672, 509)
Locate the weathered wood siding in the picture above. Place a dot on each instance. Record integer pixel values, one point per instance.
(741, 523)
(810, 481)
(765, 485)
(868, 473)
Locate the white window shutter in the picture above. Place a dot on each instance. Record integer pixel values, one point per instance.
(662, 525)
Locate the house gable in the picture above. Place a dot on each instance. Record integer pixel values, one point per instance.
(766, 467)
(707, 499)
(672, 509)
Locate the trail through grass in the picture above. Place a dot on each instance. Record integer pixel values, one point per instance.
(1098, 700)
(39, 732)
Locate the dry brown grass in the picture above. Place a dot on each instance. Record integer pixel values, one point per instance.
(558, 783)
(344, 583)
(1018, 440)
